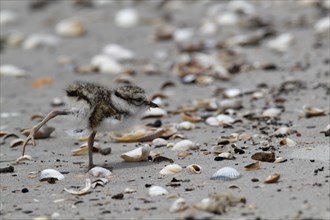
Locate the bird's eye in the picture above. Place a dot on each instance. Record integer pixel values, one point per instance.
(139, 99)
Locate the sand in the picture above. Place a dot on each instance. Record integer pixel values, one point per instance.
(301, 193)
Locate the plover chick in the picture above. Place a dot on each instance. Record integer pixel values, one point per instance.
(100, 109)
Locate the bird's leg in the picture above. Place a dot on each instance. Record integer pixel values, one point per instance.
(90, 149)
(32, 131)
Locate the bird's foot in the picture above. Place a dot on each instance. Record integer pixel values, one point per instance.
(30, 136)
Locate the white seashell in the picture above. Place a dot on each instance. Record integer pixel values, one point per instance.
(50, 173)
(83, 149)
(226, 155)
(288, 142)
(158, 142)
(99, 172)
(171, 169)
(232, 93)
(272, 112)
(129, 190)
(281, 43)
(230, 104)
(154, 112)
(100, 181)
(226, 173)
(194, 169)
(83, 191)
(322, 26)
(23, 158)
(178, 205)
(242, 6)
(157, 191)
(105, 64)
(184, 145)
(7, 17)
(117, 52)
(224, 119)
(185, 125)
(182, 35)
(10, 70)
(158, 101)
(127, 17)
(227, 19)
(283, 131)
(212, 121)
(138, 154)
(40, 40)
(208, 28)
(313, 111)
(70, 28)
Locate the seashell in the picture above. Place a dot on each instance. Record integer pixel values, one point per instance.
(154, 112)
(40, 40)
(227, 19)
(16, 142)
(226, 173)
(44, 132)
(183, 35)
(100, 181)
(217, 149)
(10, 70)
(144, 134)
(118, 53)
(70, 28)
(289, 142)
(253, 166)
(171, 169)
(224, 119)
(272, 112)
(106, 65)
(105, 151)
(280, 160)
(264, 156)
(226, 155)
(230, 104)
(231, 93)
(184, 145)
(204, 80)
(159, 142)
(322, 26)
(185, 116)
(85, 190)
(23, 158)
(49, 174)
(212, 121)
(83, 149)
(127, 17)
(138, 154)
(194, 169)
(283, 131)
(7, 17)
(326, 131)
(157, 191)
(185, 125)
(178, 205)
(243, 7)
(158, 159)
(281, 43)
(208, 28)
(129, 190)
(9, 114)
(56, 102)
(99, 172)
(273, 178)
(313, 112)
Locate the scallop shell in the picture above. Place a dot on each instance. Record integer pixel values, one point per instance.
(138, 154)
(85, 190)
(178, 205)
(288, 142)
(50, 174)
(70, 28)
(313, 112)
(184, 145)
(226, 173)
(273, 178)
(185, 125)
(171, 169)
(23, 158)
(194, 169)
(99, 172)
(127, 17)
(272, 112)
(157, 191)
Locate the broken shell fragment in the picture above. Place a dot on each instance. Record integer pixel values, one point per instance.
(322, 26)
(326, 131)
(272, 112)
(225, 155)
(23, 158)
(288, 142)
(99, 172)
(16, 142)
(118, 53)
(313, 112)
(171, 169)
(143, 134)
(10, 70)
(100, 181)
(70, 28)
(107, 65)
(83, 191)
(231, 93)
(154, 112)
(184, 145)
(273, 178)
(253, 166)
(138, 154)
(83, 149)
(226, 173)
(281, 43)
(185, 116)
(194, 169)
(48, 174)
(157, 191)
(159, 142)
(185, 125)
(264, 156)
(179, 205)
(280, 160)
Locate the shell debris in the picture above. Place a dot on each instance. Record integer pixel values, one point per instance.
(85, 190)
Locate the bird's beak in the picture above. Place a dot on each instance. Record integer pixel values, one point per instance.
(153, 105)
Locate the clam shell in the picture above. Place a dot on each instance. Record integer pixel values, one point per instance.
(326, 131)
(313, 112)
(16, 142)
(99, 172)
(127, 17)
(179, 205)
(273, 178)
(70, 28)
(212, 121)
(283, 131)
(225, 119)
(157, 191)
(184, 145)
(230, 104)
(288, 142)
(159, 142)
(85, 190)
(272, 112)
(23, 158)
(226, 173)
(194, 169)
(171, 169)
(138, 154)
(253, 166)
(50, 174)
(185, 125)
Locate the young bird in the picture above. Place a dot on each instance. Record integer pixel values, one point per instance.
(100, 109)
